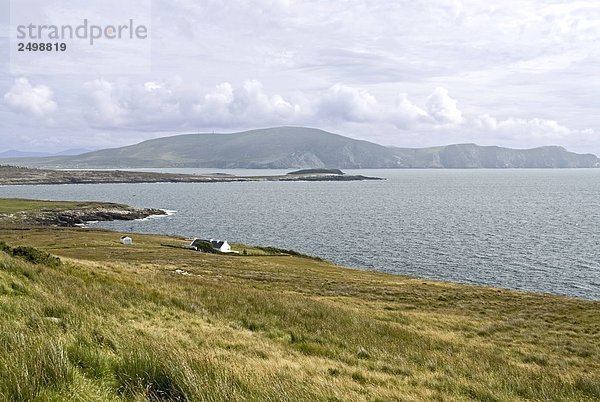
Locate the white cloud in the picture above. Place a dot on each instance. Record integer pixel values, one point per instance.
(216, 105)
(152, 86)
(250, 104)
(33, 101)
(104, 107)
(485, 122)
(536, 128)
(158, 106)
(407, 115)
(524, 133)
(442, 108)
(342, 102)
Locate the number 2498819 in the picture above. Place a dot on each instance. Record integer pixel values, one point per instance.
(41, 47)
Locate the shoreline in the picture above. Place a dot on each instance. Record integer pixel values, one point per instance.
(293, 254)
(16, 176)
(79, 215)
(68, 214)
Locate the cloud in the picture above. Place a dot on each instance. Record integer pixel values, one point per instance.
(227, 106)
(103, 104)
(406, 115)
(342, 102)
(171, 106)
(160, 106)
(442, 108)
(531, 132)
(534, 128)
(33, 101)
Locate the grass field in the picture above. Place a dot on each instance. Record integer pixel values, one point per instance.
(149, 322)
(14, 205)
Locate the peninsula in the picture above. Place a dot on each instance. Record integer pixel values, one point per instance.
(13, 175)
(16, 211)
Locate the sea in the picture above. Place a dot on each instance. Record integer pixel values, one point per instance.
(523, 229)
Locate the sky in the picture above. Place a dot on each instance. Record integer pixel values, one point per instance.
(404, 73)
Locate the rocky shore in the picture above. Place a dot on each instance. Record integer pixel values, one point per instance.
(76, 215)
(12, 175)
(79, 217)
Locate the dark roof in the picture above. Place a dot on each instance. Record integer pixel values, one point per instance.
(198, 241)
(213, 243)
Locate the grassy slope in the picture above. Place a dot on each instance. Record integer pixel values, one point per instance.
(273, 328)
(14, 205)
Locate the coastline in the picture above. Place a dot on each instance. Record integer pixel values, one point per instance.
(13, 176)
(68, 214)
(79, 214)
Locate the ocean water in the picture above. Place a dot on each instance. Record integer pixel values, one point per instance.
(536, 230)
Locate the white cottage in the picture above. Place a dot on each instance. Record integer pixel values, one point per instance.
(126, 240)
(220, 245)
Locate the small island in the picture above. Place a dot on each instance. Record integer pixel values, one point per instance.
(318, 172)
(14, 175)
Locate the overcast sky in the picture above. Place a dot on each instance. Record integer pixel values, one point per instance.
(523, 73)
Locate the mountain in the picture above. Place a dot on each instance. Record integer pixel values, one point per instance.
(13, 153)
(492, 157)
(73, 151)
(298, 147)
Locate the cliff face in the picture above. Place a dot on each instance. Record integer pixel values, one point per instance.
(473, 156)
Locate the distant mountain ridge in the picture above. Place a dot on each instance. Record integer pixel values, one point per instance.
(463, 156)
(300, 148)
(14, 153)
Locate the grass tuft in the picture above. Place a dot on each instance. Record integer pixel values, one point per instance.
(141, 372)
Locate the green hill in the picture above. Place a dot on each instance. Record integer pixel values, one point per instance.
(298, 147)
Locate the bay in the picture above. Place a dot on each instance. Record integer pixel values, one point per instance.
(535, 230)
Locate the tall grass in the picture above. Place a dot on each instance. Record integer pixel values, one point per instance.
(275, 329)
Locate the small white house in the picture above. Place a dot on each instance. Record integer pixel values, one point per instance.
(220, 245)
(126, 240)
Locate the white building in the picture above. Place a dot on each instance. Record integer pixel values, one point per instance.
(222, 246)
(126, 240)
(219, 245)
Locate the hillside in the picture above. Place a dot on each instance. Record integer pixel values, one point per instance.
(276, 148)
(157, 322)
(297, 147)
(491, 157)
